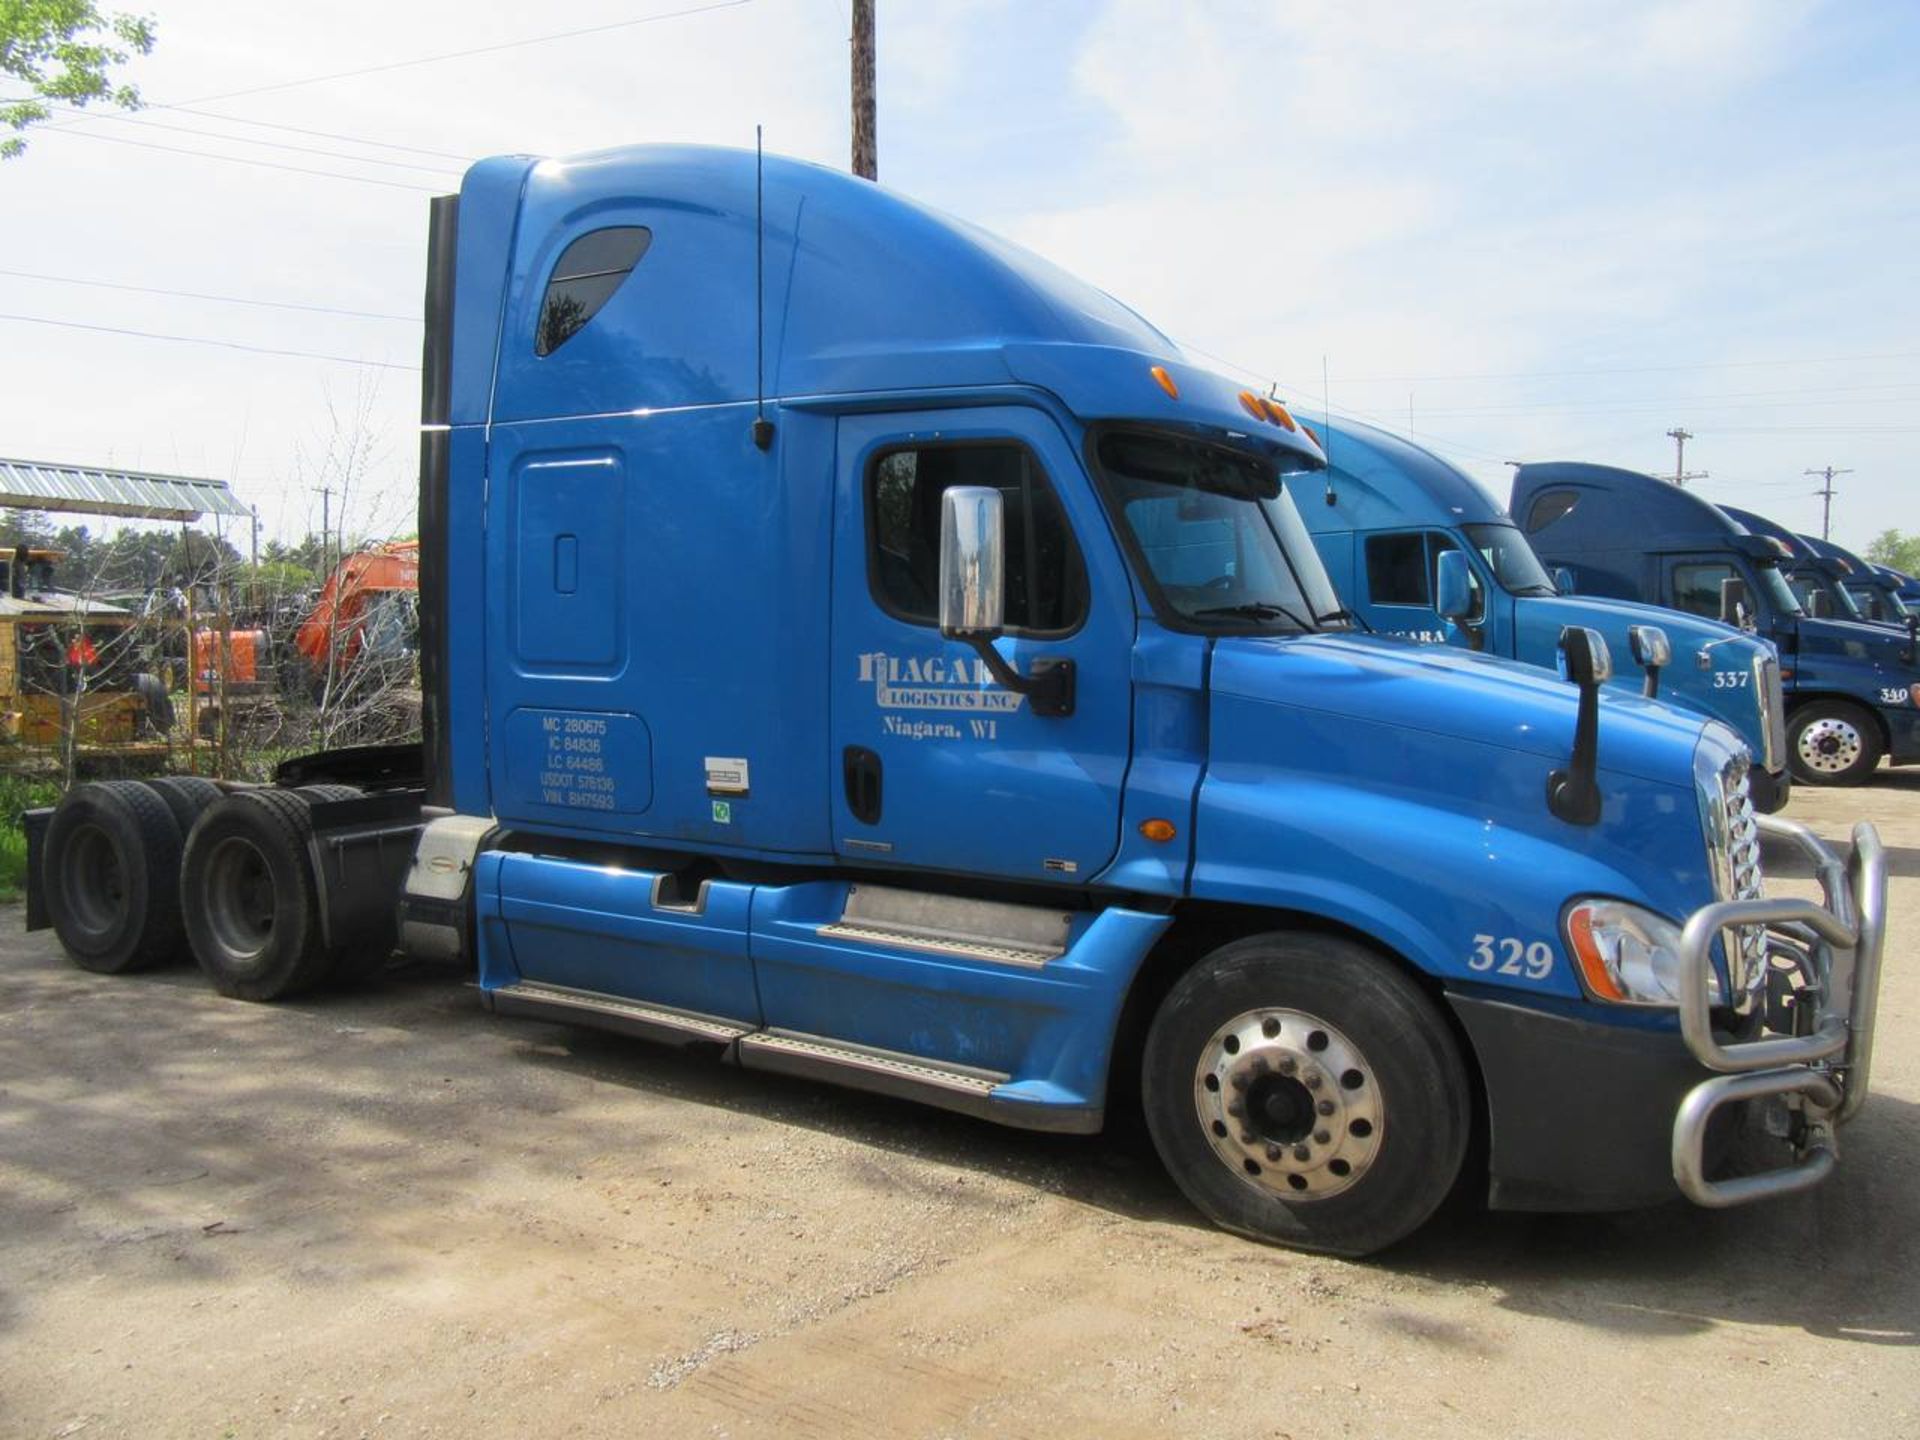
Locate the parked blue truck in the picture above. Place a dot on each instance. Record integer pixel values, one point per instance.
(1386, 513)
(855, 648)
(1853, 691)
(1818, 581)
(1874, 589)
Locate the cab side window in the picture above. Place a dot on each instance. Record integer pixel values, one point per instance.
(1046, 588)
(1397, 570)
(1696, 588)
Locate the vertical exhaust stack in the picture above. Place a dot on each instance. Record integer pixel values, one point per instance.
(436, 415)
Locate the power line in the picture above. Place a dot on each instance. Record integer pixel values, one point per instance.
(207, 340)
(74, 134)
(242, 140)
(466, 54)
(199, 295)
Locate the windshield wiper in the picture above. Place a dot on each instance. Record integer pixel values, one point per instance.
(1253, 610)
(1342, 613)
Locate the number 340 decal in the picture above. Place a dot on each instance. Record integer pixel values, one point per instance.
(1506, 955)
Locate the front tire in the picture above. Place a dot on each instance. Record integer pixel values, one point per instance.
(1833, 742)
(1303, 1091)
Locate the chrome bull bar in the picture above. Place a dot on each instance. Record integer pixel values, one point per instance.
(1836, 949)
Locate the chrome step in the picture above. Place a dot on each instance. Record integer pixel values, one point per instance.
(885, 1072)
(989, 930)
(663, 1024)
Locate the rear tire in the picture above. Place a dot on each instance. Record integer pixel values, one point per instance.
(112, 877)
(187, 796)
(1303, 1091)
(1833, 742)
(247, 886)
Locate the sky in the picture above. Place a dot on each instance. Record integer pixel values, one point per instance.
(1515, 229)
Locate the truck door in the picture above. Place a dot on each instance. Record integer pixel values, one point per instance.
(934, 764)
(1399, 570)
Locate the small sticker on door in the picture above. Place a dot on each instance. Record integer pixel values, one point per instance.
(726, 775)
(722, 812)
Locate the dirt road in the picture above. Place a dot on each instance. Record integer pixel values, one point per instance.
(389, 1214)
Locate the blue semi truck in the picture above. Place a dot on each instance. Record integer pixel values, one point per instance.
(1390, 519)
(857, 649)
(1853, 690)
(1818, 581)
(1876, 590)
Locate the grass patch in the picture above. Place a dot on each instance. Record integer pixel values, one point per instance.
(19, 794)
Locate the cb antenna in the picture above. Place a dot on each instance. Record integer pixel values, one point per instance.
(1326, 428)
(762, 427)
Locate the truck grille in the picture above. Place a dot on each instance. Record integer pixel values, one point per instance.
(1773, 713)
(1747, 883)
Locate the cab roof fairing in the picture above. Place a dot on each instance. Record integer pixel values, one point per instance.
(865, 291)
(1383, 482)
(1664, 516)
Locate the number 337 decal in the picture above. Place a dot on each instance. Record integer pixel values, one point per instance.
(1505, 955)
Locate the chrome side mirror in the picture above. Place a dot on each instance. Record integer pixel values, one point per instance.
(1734, 608)
(1651, 651)
(1562, 580)
(972, 562)
(1452, 587)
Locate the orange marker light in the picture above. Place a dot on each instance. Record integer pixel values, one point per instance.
(1250, 402)
(1312, 434)
(1586, 950)
(1277, 413)
(1159, 373)
(1158, 831)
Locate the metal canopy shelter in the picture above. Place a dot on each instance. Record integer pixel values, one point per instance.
(36, 485)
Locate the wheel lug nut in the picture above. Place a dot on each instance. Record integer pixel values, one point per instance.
(1260, 1065)
(1274, 1152)
(1239, 1082)
(1301, 1152)
(1288, 1066)
(1236, 1109)
(1313, 1081)
(1246, 1137)
(1325, 1107)
(1322, 1137)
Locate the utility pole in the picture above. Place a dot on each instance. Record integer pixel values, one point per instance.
(325, 492)
(254, 511)
(1825, 492)
(1680, 472)
(866, 151)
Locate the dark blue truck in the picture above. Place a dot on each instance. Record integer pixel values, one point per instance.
(1386, 516)
(1853, 692)
(858, 650)
(1818, 581)
(1874, 589)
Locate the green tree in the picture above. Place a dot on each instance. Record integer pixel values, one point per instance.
(1892, 548)
(63, 51)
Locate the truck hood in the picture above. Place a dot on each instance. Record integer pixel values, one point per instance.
(1455, 693)
(1878, 644)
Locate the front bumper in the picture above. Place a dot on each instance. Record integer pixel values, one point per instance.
(1816, 1055)
(1590, 1115)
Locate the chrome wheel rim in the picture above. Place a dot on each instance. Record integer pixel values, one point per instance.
(1829, 746)
(1289, 1104)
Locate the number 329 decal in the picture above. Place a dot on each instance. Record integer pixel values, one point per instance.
(1506, 955)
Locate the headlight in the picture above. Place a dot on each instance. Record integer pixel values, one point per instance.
(1627, 955)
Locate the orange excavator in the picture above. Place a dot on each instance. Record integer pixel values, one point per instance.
(365, 614)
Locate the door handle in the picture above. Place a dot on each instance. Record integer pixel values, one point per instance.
(861, 768)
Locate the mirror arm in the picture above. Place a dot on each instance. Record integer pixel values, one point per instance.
(1049, 689)
(1652, 688)
(1573, 794)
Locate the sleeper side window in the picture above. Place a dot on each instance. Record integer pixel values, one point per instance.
(584, 278)
(1397, 569)
(1549, 506)
(1046, 587)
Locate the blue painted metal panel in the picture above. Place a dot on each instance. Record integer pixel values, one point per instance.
(592, 927)
(1050, 1028)
(972, 779)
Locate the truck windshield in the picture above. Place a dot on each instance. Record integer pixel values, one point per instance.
(1511, 559)
(1219, 539)
(1807, 583)
(1779, 593)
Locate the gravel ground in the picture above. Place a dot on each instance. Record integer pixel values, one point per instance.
(389, 1214)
